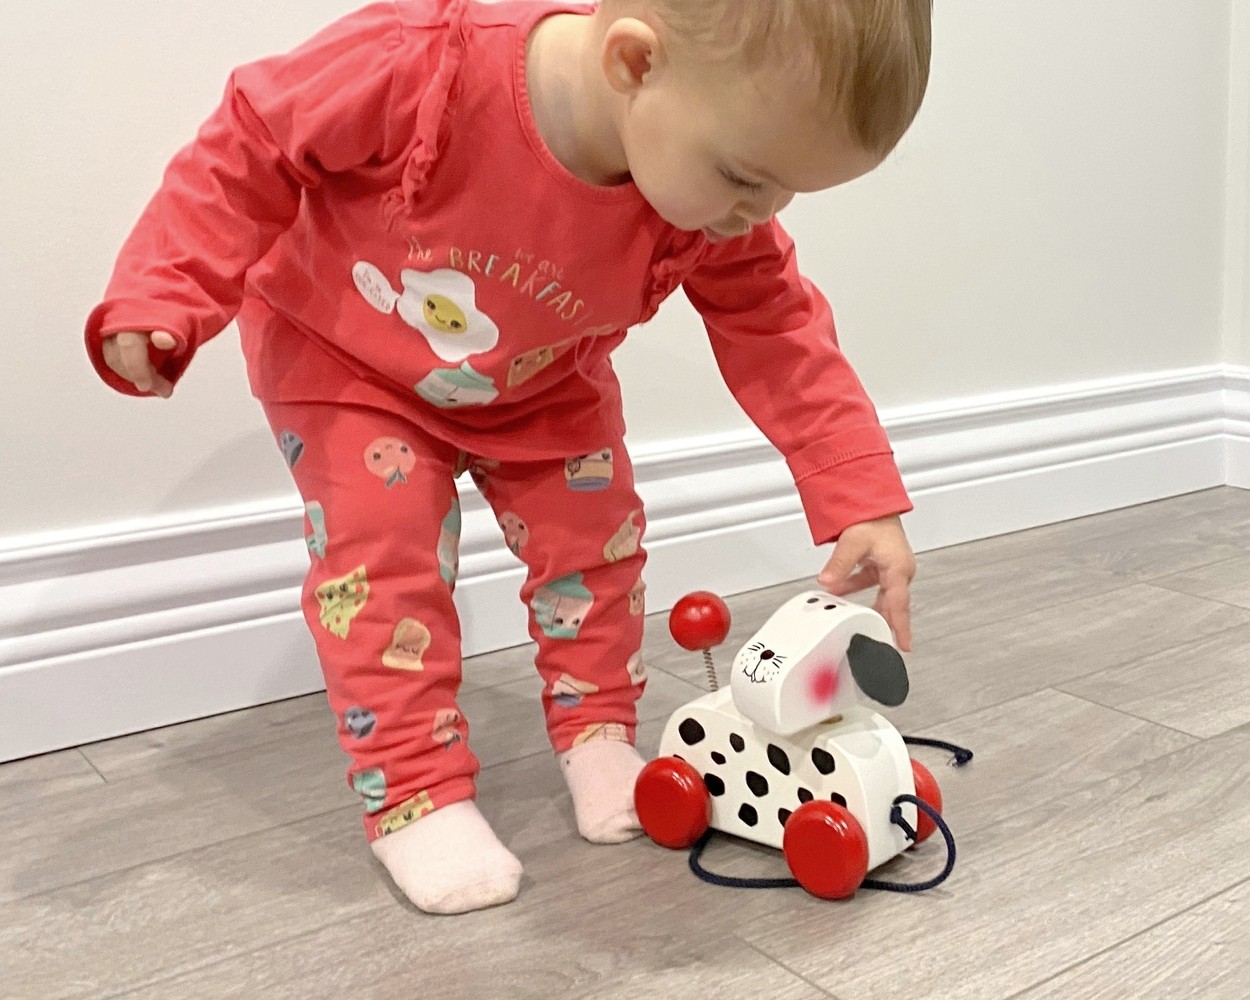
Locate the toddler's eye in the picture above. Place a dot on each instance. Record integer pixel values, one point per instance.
(737, 181)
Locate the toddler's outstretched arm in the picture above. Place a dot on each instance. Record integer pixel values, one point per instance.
(773, 335)
(346, 98)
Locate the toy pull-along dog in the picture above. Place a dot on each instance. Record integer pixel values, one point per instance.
(791, 755)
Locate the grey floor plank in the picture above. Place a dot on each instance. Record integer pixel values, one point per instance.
(1043, 889)
(1227, 580)
(101, 936)
(952, 597)
(1035, 749)
(987, 666)
(76, 835)
(1202, 688)
(176, 804)
(1203, 954)
(727, 969)
(312, 880)
(1100, 828)
(24, 783)
(289, 721)
(1145, 541)
(304, 911)
(525, 966)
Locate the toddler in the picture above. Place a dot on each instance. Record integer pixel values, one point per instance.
(434, 222)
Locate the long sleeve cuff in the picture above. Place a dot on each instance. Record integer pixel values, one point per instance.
(839, 488)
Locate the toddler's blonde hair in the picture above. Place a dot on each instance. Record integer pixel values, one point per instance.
(870, 58)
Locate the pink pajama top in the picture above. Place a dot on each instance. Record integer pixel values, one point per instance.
(379, 212)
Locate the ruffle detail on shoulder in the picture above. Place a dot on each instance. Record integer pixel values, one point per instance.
(675, 259)
(433, 115)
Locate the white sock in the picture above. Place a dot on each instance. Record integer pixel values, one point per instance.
(450, 861)
(601, 776)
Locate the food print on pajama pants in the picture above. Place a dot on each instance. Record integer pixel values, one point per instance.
(383, 528)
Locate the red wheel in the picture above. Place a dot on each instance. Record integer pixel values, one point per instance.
(826, 849)
(927, 791)
(672, 802)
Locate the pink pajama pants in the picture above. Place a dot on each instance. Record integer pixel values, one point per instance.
(383, 526)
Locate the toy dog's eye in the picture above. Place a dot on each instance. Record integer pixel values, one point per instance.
(830, 607)
(813, 600)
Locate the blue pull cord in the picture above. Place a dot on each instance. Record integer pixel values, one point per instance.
(961, 755)
(728, 881)
(943, 829)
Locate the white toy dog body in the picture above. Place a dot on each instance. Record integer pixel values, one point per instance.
(791, 726)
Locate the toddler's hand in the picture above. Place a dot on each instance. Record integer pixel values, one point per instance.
(881, 551)
(127, 354)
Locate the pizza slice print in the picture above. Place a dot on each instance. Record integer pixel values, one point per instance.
(341, 600)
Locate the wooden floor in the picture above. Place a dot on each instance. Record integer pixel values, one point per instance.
(1099, 668)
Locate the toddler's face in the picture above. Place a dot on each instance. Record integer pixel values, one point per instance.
(718, 148)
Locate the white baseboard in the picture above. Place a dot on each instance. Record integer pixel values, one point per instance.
(144, 625)
(1237, 427)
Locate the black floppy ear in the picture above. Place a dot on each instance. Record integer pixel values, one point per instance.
(878, 669)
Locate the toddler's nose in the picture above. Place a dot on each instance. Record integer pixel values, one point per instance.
(764, 208)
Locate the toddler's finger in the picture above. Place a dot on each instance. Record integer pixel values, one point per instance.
(136, 364)
(841, 565)
(902, 629)
(860, 580)
(113, 355)
(127, 354)
(162, 341)
(894, 605)
(161, 385)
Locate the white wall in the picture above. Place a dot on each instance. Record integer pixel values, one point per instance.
(1057, 214)
(1237, 231)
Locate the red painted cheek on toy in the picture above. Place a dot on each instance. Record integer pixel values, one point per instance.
(823, 684)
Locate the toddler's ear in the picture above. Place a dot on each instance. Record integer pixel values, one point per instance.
(632, 51)
(878, 669)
